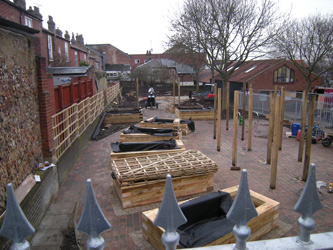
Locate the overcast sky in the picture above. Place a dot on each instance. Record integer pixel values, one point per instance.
(135, 26)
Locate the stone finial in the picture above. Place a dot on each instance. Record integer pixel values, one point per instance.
(15, 225)
(169, 216)
(307, 205)
(93, 221)
(242, 211)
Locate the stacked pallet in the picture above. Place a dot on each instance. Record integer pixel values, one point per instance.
(174, 124)
(140, 180)
(267, 219)
(142, 137)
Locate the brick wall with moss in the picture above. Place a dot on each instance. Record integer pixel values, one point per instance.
(20, 139)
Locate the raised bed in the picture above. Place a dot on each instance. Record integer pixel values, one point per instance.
(120, 155)
(194, 113)
(123, 115)
(140, 180)
(268, 215)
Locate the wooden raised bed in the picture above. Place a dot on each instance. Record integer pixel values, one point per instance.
(123, 115)
(174, 125)
(141, 180)
(141, 137)
(194, 113)
(121, 155)
(268, 216)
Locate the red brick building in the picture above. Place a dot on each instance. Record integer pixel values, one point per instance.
(264, 75)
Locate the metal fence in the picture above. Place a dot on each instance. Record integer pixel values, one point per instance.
(293, 108)
(71, 122)
(93, 222)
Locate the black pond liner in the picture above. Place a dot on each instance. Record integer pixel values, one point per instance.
(150, 131)
(190, 122)
(143, 146)
(206, 219)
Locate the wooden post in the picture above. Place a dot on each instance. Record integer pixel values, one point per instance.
(282, 100)
(309, 137)
(303, 121)
(234, 149)
(215, 99)
(227, 111)
(243, 110)
(137, 92)
(275, 143)
(250, 115)
(270, 128)
(174, 92)
(219, 121)
(178, 92)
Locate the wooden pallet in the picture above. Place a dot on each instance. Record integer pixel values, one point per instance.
(175, 125)
(121, 155)
(141, 180)
(194, 114)
(141, 137)
(268, 216)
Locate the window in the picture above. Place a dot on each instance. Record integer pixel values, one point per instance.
(28, 22)
(85, 57)
(284, 75)
(136, 61)
(59, 53)
(66, 52)
(49, 47)
(76, 59)
(250, 69)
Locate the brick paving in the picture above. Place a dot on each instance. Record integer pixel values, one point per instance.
(94, 163)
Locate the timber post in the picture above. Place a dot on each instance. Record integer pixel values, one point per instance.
(228, 106)
(234, 149)
(303, 121)
(137, 93)
(219, 121)
(275, 153)
(270, 128)
(250, 115)
(243, 111)
(215, 95)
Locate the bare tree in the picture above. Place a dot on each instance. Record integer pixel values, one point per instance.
(308, 44)
(230, 32)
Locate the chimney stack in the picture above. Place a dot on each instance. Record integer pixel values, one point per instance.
(20, 3)
(67, 36)
(79, 39)
(59, 32)
(51, 24)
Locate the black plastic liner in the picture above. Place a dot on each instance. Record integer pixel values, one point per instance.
(190, 122)
(206, 219)
(143, 146)
(150, 131)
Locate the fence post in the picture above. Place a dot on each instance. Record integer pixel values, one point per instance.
(15, 225)
(169, 217)
(307, 205)
(93, 221)
(242, 211)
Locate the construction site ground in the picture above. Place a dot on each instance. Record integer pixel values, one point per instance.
(94, 163)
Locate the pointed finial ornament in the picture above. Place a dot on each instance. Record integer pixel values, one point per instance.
(93, 221)
(15, 225)
(307, 205)
(169, 217)
(242, 211)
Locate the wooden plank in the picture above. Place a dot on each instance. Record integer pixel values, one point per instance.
(25, 187)
(268, 214)
(123, 118)
(140, 137)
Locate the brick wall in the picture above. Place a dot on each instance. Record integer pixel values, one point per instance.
(20, 139)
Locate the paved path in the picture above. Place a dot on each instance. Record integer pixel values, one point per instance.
(94, 163)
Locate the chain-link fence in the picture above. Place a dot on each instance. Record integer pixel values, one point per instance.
(293, 108)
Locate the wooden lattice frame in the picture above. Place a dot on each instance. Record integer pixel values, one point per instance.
(142, 170)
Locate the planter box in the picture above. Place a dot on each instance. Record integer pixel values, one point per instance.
(194, 114)
(123, 115)
(141, 180)
(268, 215)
